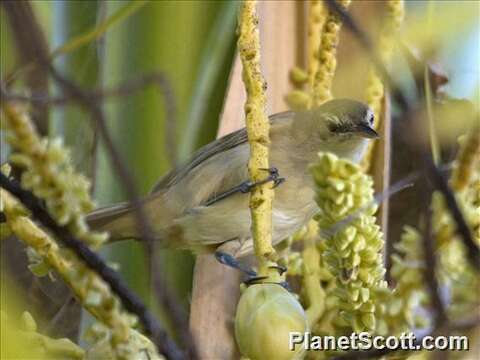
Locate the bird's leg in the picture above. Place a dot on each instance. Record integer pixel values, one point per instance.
(248, 186)
(229, 260)
(253, 278)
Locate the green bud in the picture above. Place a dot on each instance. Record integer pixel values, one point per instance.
(368, 320)
(266, 315)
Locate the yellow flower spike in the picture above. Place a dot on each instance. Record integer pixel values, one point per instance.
(298, 76)
(100, 338)
(297, 100)
(375, 89)
(327, 52)
(407, 266)
(92, 292)
(464, 164)
(314, 293)
(257, 126)
(353, 251)
(455, 270)
(316, 18)
(266, 315)
(20, 340)
(49, 174)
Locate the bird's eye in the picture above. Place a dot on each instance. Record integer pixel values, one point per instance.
(371, 118)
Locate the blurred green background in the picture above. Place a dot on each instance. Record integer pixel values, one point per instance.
(192, 43)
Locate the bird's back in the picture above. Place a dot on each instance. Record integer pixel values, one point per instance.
(215, 168)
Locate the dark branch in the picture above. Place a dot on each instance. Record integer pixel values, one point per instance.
(429, 271)
(144, 228)
(126, 89)
(439, 182)
(30, 41)
(91, 105)
(130, 300)
(433, 173)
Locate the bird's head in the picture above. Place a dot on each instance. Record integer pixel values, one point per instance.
(346, 119)
(342, 126)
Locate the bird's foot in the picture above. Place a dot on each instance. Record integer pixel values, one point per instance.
(273, 175)
(253, 278)
(280, 268)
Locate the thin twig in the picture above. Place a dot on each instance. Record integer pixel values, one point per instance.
(30, 41)
(439, 182)
(129, 299)
(429, 271)
(144, 228)
(125, 89)
(433, 173)
(85, 100)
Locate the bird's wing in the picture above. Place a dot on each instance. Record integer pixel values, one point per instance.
(220, 145)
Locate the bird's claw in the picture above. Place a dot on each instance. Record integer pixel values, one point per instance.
(280, 268)
(273, 175)
(255, 280)
(277, 182)
(259, 280)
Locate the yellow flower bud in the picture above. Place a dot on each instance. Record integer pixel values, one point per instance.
(297, 99)
(266, 315)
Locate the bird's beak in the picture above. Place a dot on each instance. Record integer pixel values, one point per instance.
(367, 132)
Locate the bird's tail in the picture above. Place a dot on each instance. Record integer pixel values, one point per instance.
(116, 219)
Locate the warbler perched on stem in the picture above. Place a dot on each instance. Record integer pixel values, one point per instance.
(204, 206)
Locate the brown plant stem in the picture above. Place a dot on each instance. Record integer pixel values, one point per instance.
(30, 41)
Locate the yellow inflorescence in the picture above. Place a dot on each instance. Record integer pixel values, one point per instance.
(257, 126)
(327, 57)
(467, 156)
(92, 292)
(100, 338)
(41, 347)
(316, 18)
(398, 307)
(353, 240)
(375, 89)
(454, 270)
(49, 174)
(314, 293)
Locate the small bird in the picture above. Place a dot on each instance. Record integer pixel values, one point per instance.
(204, 206)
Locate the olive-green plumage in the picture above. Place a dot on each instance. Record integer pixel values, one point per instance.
(176, 206)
